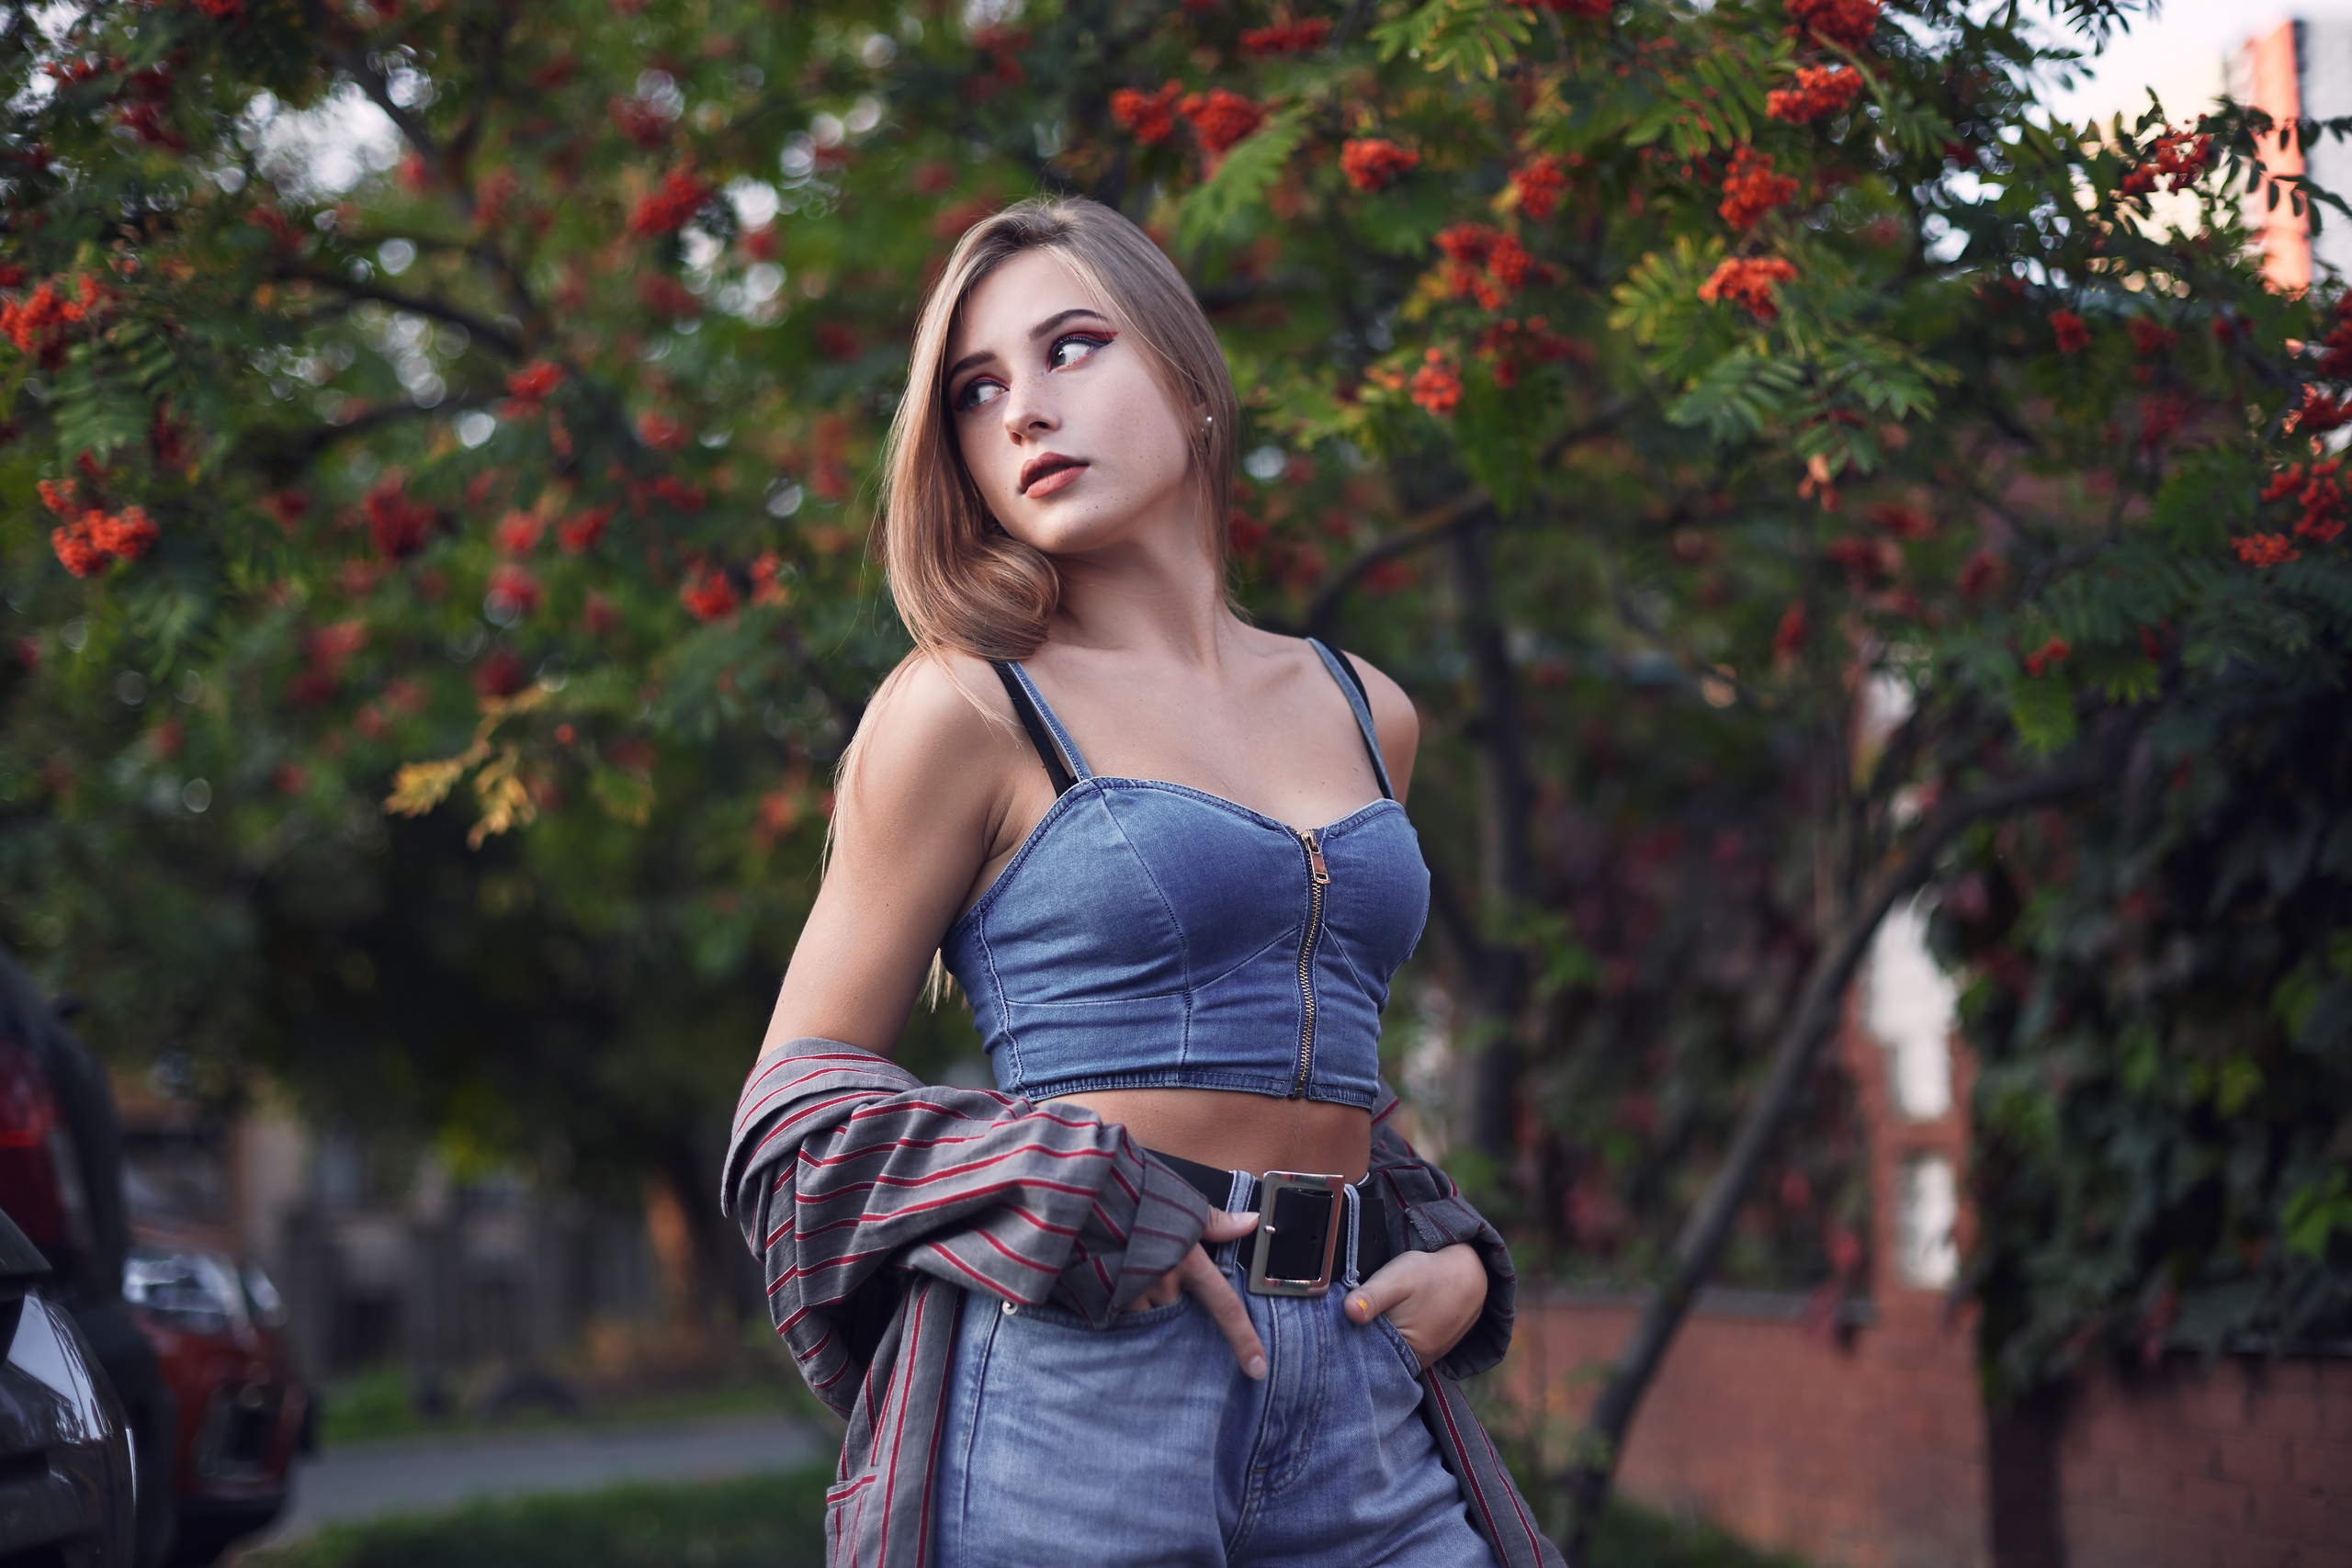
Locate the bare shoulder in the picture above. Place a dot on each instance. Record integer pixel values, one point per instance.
(1396, 719)
(931, 718)
(1393, 713)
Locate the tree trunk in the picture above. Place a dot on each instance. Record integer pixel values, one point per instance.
(1506, 869)
(1708, 1231)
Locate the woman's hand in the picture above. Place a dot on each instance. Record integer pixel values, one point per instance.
(1209, 1286)
(1431, 1298)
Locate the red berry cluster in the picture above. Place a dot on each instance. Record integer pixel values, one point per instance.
(1846, 23)
(1374, 164)
(1150, 117)
(1513, 346)
(1750, 281)
(397, 524)
(514, 591)
(1484, 263)
(641, 122)
(672, 207)
(2335, 348)
(527, 389)
(2264, 550)
(91, 538)
(662, 433)
(2073, 334)
(2176, 157)
(1751, 189)
(1868, 562)
(1220, 118)
(1286, 37)
(2318, 414)
(330, 648)
(1538, 184)
(39, 322)
(1437, 385)
(580, 532)
(1821, 91)
(709, 595)
(2318, 491)
(518, 533)
(2048, 657)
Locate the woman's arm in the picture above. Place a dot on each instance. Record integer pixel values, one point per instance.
(930, 800)
(928, 790)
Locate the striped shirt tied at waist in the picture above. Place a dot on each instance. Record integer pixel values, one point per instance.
(875, 1202)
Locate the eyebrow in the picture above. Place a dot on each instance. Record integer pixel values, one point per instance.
(1041, 329)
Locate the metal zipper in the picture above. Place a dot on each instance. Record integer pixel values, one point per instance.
(1319, 877)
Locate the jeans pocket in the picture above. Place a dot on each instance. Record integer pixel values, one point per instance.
(1403, 1348)
(1121, 1322)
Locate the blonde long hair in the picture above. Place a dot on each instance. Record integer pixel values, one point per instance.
(960, 581)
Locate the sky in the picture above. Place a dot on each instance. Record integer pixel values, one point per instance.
(2179, 52)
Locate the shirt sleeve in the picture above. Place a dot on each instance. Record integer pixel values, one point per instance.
(1434, 1214)
(844, 1168)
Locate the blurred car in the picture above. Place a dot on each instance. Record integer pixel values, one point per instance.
(216, 1320)
(67, 1492)
(61, 1182)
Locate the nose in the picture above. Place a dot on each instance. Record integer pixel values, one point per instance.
(1028, 409)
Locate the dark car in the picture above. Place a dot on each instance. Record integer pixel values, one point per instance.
(215, 1319)
(66, 1494)
(61, 1182)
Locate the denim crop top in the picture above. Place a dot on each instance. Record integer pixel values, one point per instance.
(1149, 935)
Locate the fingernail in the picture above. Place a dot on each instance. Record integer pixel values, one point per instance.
(1364, 1307)
(1257, 1367)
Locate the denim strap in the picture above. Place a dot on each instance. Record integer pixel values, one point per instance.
(1359, 704)
(1053, 722)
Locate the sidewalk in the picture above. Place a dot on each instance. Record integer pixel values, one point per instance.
(425, 1475)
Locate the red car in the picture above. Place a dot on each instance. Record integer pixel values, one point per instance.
(186, 1330)
(215, 1321)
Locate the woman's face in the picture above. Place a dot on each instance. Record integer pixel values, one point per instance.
(1071, 439)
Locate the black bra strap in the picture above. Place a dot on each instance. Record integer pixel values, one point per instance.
(1035, 723)
(1379, 764)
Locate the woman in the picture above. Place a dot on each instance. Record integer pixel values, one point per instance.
(1168, 1296)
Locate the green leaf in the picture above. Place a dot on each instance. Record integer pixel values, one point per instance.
(626, 795)
(1737, 394)
(1216, 210)
(1469, 38)
(2043, 710)
(2315, 1213)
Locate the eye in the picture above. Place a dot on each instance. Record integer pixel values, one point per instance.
(977, 393)
(1074, 349)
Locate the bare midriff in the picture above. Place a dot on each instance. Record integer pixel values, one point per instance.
(1234, 1130)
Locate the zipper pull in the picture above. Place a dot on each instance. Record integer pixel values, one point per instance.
(1314, 857)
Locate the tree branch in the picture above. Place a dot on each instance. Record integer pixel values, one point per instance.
(480, 330)
(1700, 1247)
(1438, 523)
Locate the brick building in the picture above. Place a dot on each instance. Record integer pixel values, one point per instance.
(1865, 1443)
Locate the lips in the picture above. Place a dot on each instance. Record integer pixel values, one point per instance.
(1048, 473)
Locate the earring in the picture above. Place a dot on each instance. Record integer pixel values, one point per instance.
(1208, 421)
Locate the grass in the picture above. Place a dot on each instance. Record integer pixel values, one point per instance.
(374, 1404)
(768, 1521)
(777, 1521)
(1632, 1537)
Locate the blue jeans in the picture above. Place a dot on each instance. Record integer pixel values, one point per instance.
(1145, 1444)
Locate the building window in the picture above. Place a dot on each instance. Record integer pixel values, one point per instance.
(1927, 1205)
(1909, 1007)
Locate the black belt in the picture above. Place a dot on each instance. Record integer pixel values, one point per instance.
(1302, 1224)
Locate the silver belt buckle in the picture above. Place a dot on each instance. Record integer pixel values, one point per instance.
(1272, 1184)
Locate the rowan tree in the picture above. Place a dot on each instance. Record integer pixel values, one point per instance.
(1642, 384)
